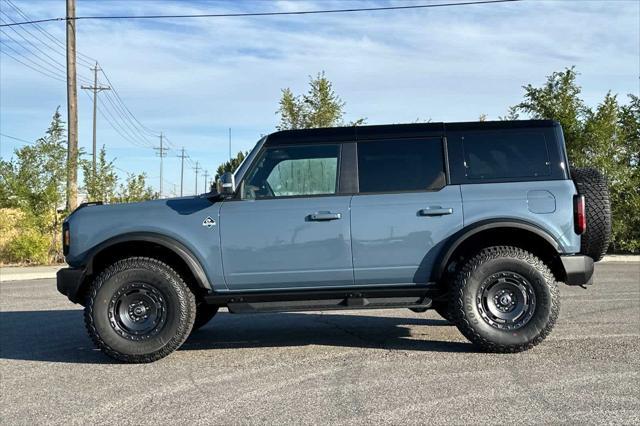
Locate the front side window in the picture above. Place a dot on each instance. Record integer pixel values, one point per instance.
(292, 171)
(401, 165)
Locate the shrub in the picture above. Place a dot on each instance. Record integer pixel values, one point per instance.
(10, 219)
(21, 240)
(29, 246)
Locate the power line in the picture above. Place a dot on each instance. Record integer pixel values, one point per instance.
(126, 120)
(53, 69)
(113, 122)
(50, 61)
(234, 15)
(35, 68)
(50, 65)
(169, 143)
(127, 133)
(117, 95)
(53, 61)
(123, 170)
(31, 54)
(88, 61)
(130, 137)
(15, 138)
(54, 49)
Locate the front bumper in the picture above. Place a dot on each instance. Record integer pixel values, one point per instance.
(69, 281)
(578, 269)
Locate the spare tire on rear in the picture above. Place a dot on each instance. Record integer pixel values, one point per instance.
(593, 185)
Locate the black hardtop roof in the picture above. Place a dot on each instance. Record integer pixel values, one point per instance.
(386, 131)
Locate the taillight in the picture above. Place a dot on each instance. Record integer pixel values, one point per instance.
(579, 215)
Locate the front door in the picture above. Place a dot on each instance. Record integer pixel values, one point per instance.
(289, 228)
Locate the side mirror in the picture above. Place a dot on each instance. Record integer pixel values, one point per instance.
(227, 184)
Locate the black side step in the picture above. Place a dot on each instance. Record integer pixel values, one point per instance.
(312, 300)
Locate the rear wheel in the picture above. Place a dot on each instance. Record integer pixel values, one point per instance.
(505, 299)
(139, 310)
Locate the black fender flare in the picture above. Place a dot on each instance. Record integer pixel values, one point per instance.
(169, 243)
(465, 233)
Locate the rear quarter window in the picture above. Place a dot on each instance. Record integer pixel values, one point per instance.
(491, 155)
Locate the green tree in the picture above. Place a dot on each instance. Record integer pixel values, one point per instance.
(35, 182)
(231, 165)
(559, 99)
(319, 107)
(135, 189)
(605, 137)
(512, 114)
(101, 183)
(7, 182)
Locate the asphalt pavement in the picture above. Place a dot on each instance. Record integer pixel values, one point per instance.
(340, 367)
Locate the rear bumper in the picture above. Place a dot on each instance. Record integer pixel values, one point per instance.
(69, 281)
(578, 268)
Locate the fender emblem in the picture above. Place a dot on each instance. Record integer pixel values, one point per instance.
(208, 222)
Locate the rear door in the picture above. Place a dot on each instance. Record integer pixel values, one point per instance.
(403, 212)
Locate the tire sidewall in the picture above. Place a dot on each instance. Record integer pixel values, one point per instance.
(163, 280)
(592, 184)
(543, 309)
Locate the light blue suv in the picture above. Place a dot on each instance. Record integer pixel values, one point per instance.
(478, 221)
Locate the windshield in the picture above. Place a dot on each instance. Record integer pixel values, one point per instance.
(242, 169)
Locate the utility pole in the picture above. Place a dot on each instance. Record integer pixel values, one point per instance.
(229, 143)
(197, 168)
(72, 109)
(182, 157)
(162, 152)
(206, 175)
(96, 89)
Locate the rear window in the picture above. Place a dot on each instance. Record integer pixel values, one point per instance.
(401, 165)
(500, 155)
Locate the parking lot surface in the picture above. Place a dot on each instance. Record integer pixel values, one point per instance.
(340, 367)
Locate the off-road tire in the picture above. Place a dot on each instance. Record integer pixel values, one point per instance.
(442, 308)
(466, 291)
(593, 185)
(204, 314)
(178, 310)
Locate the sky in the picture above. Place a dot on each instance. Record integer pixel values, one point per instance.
(193, 79)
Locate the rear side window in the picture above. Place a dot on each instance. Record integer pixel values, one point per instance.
(401, 165)
(503, 155)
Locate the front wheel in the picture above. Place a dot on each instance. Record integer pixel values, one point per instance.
(505, 299)
(139, 310)
(442, 308)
